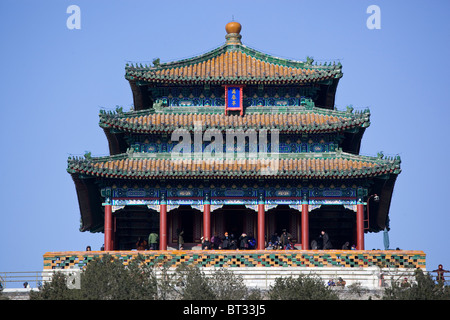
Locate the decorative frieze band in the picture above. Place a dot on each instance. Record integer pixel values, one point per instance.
(154, 204)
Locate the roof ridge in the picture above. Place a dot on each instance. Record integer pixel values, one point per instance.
(314, 120)
(235, 63)
(298, 165)
(350, 113)
(338, 154)
(224, 48)
(306, 121)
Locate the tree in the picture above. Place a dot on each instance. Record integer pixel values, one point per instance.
(107, 278)
(56, 289)
(356, 288)
(226, 285)
(301, 288)
(2, 296)
(193, 284)
(104, 278)
(423, 288)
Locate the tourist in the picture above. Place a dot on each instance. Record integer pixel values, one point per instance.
(382, 282)
(331, 283)
(440, 274)
(275, 239)
(226, 242)
(270, 246)
(345, 246)
(88, 248)
(341, 282)
(213, 238)
(289, 245)
(180, 234)
(284, 239)
(251, 242)
(141, 244)
(326, 243)
(319, 240)
(216, 241)
(233, 243)
(153, 241)
(206, 245)
(243, 241)
(405, 283)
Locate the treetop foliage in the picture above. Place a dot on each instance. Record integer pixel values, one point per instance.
(107, 278)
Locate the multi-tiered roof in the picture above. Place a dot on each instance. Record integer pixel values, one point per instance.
(165, 99)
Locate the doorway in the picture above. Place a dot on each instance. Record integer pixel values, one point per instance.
(234, 219)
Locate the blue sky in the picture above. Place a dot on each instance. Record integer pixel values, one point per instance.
(55, 80)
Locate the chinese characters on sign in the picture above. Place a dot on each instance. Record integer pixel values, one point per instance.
(233, 98)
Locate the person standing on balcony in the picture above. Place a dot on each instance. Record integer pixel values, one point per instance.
(153, 241)
(440, 273)
(180, 233)
(325, 240)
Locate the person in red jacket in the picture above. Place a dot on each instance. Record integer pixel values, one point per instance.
(440, 273)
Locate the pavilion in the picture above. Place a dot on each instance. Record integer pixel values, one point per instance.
(238, 141)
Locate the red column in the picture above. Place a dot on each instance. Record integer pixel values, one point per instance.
(207, 221)
(261, 227)
(305, 226)
(360, 226)
(108, 227)
(113, 236)
(163, 226)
